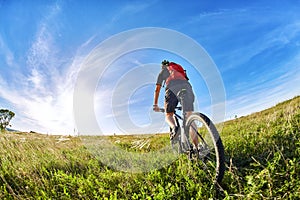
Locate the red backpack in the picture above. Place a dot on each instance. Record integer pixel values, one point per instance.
(176, 72)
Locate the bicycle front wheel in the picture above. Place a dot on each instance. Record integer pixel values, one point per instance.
(208, 147)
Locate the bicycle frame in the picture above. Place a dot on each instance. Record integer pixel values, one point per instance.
(179, 117)
(185, 145)
(186, 132)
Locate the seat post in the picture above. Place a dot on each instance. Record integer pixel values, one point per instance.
(181, 94)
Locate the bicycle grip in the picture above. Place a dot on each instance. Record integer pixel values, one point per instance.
(160, 110)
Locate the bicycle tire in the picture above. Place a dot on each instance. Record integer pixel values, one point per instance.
(210, 150)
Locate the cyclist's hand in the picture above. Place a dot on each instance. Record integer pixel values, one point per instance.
(156, 108)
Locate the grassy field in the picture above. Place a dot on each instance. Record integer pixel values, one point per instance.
(262, 162)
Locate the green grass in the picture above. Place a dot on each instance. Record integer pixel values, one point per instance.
(262, 162)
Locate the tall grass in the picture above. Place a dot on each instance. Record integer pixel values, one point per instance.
(262, 159)
(264, 153)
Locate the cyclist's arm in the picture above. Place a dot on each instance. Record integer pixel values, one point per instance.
(160, 79)
(156, 94)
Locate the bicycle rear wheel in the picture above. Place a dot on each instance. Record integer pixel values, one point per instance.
(209, 151)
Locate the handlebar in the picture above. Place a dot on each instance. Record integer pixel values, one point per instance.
(177, 108)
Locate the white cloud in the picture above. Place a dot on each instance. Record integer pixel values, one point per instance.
(47, 106)
(8, 54)
(131, 9)
(42, 99)
(263, 96)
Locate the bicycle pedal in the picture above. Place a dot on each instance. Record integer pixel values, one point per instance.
(171, 136)
(174, 137)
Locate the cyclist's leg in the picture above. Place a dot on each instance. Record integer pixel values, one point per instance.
(171, 102)
(192, 130)
(189, 108)
(170, 119)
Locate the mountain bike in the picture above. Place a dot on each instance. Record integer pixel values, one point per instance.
(208, 153)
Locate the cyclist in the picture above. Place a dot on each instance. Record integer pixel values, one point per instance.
(175, 81)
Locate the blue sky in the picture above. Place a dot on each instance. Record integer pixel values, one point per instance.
(255, 45)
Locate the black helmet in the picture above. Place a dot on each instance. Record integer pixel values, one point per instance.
(165, 62)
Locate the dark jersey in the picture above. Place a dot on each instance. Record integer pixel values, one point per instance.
(162, 76)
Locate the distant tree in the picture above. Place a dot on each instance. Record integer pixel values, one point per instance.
(5, 117)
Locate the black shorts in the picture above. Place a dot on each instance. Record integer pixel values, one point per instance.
(171, 99)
